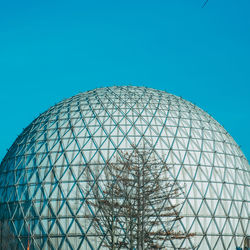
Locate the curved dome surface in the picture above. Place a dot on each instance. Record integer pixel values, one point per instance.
(41, 174)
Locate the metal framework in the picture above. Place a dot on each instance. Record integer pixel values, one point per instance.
(42, 175)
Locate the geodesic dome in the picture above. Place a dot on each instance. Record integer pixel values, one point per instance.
(41, 174)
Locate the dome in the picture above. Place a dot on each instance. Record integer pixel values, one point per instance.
(41, 172)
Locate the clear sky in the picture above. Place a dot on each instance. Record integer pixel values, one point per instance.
(50, 50)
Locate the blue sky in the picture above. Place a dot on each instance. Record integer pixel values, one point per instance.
(50, 50)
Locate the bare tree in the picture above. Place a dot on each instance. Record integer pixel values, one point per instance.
(135, 203)
(7, 238)
(101, 195)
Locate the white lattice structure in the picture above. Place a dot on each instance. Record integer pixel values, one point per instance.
(41, 175)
